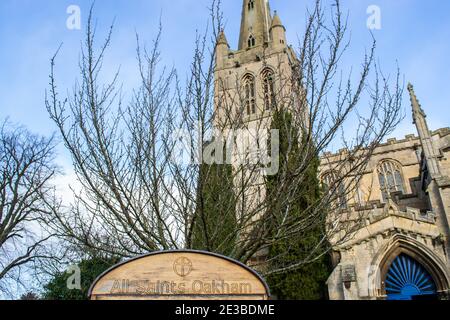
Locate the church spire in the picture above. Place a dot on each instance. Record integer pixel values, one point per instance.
(278, 32)
(418, 113)
(277, 21)
(222, 39)
(429, 150)
(255, 24)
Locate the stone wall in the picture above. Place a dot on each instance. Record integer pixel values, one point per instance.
(408, 222)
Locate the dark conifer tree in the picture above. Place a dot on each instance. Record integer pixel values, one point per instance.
(308, 281)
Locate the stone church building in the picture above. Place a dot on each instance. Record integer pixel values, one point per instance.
(402, 249)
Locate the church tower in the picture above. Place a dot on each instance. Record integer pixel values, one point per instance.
(254, 79)
(250, 83)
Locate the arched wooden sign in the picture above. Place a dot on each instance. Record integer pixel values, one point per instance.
(180, 275)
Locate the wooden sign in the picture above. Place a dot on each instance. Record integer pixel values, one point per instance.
(180, 275)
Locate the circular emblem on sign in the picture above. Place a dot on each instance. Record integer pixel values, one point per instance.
(182, 266)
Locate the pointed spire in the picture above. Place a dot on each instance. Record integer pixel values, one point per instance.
(416, 107)
(222, 39)
(429, 150)
(255, 24)
(222, 49)
(276, 22)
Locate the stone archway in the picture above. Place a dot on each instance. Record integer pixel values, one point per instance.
(409, 247)
(407, 279)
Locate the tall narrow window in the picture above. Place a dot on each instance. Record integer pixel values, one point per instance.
(250, 94)
(336, 187)
(391, 178)
(251, 5)
(251, 41)
(269, 89)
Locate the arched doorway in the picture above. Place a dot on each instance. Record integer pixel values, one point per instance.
(403, 258)
(407, 279)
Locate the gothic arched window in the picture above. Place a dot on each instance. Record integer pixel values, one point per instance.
(269, 89)
(332, 184)
(391, 178)
(249, 94)
(251, 41)
(251, 4)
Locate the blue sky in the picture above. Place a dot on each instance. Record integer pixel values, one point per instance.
(415, 33)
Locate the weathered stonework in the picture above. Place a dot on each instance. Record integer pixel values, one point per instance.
(414, 221)
(262, 50)
(409, 218)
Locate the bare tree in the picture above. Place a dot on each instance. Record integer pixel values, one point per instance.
(26, 195)
(138, 196)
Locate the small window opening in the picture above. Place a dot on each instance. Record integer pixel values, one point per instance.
(251, 41)
(251, 5)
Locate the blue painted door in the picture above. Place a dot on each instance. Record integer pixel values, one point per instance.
(408, 280)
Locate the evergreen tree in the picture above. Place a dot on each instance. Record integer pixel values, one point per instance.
(29, 296)
(90, 269)
(308, 281)
(214, 225)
